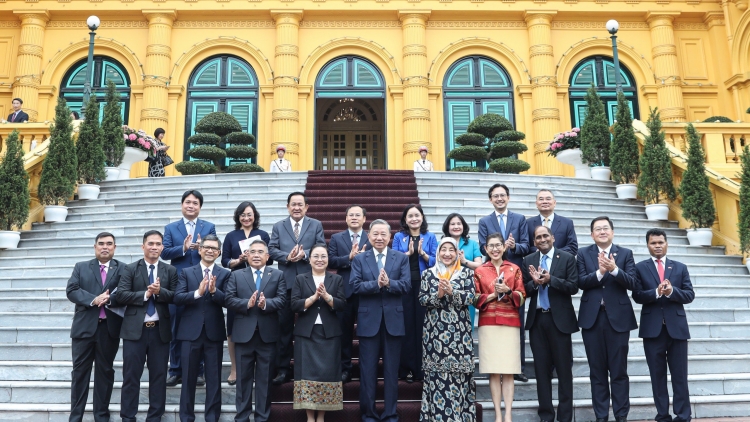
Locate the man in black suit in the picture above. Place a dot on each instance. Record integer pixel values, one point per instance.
(202, 331)
(256, 294)
(663, 286)
(605, 274)
(146, 329)
(342, 249)
(562, 227)
(550, 277)
(95, 330)
(18, 115)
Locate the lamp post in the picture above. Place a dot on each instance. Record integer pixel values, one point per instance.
(612, 27)
(93, 23)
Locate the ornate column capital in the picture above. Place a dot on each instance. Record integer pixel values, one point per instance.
(292, 17)
(33, 17)
(539, 17)
(665, 18)
(414, 17)
(158, 16)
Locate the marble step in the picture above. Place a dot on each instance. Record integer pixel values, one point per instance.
(488, 179)
(206, 180)
(229, 187)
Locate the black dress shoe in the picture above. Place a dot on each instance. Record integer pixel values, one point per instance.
(346, 376)
(173, 380)
(410, 378)
(601, 419)
(521, 377)
(621, 418)
(281, 378)
(201, 381)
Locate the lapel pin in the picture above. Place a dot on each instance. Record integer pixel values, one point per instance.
(557, 256)
(614, 254)
(669, 268)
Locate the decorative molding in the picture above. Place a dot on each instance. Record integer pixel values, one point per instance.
(224, 24)
(545, 113)
(595, 25)
(104, 24)
(10, 24)
(410, 147)
(349, 24)
(475, 24)
(690, 26)
(154, 113)
(284, 114)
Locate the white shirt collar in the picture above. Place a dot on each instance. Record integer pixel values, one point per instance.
(551, 218)
(606, 251)
(262, 270)
(185, 221)
(663, 260)
(106, 265)
(360, 233)
(210, 269)
(301, 222)
(498, 214)
(550, 254)
(385, 254)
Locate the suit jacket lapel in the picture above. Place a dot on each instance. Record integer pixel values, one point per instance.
(555, 260)
(362, 238)
(288, 225)
(181, 227)
(555, 225)
(654, 273)
(144, 273)
(161, 272)
(389, 259)
(495, 224)
(310, 281)
(111, 274)
(264, 280)
(668, 265)
(305, 226)
(198, 228)
(97, 274)
(348, 240)
(372, 262)
(328, 280)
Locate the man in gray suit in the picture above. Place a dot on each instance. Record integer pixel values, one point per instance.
(291, 241)
(257, 294)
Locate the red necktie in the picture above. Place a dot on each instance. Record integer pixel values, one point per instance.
(660, 269)
(104, 281)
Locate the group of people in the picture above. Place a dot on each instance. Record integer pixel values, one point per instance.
(412, 302)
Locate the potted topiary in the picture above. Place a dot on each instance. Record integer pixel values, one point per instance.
(113, 142)
(595, 137)
(655, 182)
(566, 148)
(14, 193)
(90, 153)
(623, 152)
(58, 179)
(697, 201)
(744, 217)
(490, 136)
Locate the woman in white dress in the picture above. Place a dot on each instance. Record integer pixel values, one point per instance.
(423, 164)
(280, 165)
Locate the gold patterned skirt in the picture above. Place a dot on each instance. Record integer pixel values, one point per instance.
(317, 372)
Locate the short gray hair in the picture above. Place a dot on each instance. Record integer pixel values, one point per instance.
(211, 237)
(380, 221)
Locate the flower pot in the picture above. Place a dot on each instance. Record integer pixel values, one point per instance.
(132, 156)
(747, 264)
(627, 191)
(572, 157)
(113, 173)
(700, 237)
(600, 173)
(54, 213)
(86, 191)
(9, 240)
(657, 212)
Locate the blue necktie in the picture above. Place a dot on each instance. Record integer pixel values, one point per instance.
(543, 292)
(258, 279)
(501, 221)
(151, 307)
(380, 261)
(205, 275)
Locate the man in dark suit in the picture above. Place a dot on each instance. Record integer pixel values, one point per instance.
(146, 328)
(513, 228)
(380, 276)
(181, 242)
(342, 249)
(291, 241)
(605, 274)
(18, 115)
(663, 286)
(256, 294)
(550, 277)
(562, 227)
(95, 332)
(200, 290)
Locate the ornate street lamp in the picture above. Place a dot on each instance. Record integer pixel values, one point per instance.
(612, 27)
(93, 23)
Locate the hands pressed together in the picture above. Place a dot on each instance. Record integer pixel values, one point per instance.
(297, 254)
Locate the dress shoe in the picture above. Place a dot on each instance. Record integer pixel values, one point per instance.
(281, 378)
(521, 377)
(621, 418)
(201, 381)
(410, 378)
(346, 376)
(173, 380)
(232, 381)
(601, 419)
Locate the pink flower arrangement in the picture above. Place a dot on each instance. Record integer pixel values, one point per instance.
(564, 141)
(138, 139)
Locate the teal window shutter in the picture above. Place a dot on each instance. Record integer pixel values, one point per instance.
(600, 70)
(104, 69)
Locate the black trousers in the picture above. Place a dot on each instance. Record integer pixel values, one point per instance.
(661, 352)
(411, 346)
(100, 350)
(175, 346)
(552, 347)
(284, 350)
(193, 353)
(607, 354)
(150, 350)
(347, 317)
(254, 360)
(371, 349)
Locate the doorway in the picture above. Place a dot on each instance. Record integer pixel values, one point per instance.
(350, 134)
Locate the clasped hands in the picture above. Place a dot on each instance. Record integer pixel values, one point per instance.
(510, 243)
(296, 254)
(102, 299)
(540, 276)
(207, 283)
(383, 280)
(321, 292)
(261, 300)
(444, 288)
(606, 263)
(153, 288)
(664, 289)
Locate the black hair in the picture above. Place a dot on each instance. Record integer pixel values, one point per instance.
(364, 211)
(240, 209)
(256, 241)
(17, 99)
(495, 186)
(289, 198)
(76, 115)
(405, 227)
(158, 132)
(105, 234)
(545, 190)
(195, 193)
(655, 233)
(549, 230)
(211, 237)
(447, 225)
(151, 233)
(319, 245)
(496, 235)
(602, 218)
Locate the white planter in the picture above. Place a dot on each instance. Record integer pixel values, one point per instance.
(9, 240)
(747, 264)
(600, 173)
(113, 173)
(700, 237)
(88, 191)
(54, 213)
(572, 157)
(657, 212)
(627, 191)
(132, 156)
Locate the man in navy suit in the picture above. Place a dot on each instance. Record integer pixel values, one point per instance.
(663, 287)
(380, 276)
(181, 242)
(605, 274)
(18, 115)
(202, 332)
(513, 228)
(562, 227)
(342, 249)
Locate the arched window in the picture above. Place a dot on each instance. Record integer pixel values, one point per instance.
(473, 86)
(105, 69)
(600, 71)
(223, 83)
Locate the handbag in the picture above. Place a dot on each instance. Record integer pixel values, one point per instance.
(167, 160)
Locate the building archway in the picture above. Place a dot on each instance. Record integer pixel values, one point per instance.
(600, 70)
(104, 69)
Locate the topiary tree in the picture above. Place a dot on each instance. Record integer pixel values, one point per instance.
(90, 147)
(59, 170)
(490, 136)
(595, 138)
(697, 201)
(744, 217)
(623, 150)
(655, 182)
(14, 186)
(112, 136)
(718, 119)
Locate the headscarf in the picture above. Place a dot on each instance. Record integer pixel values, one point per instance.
(441, 270)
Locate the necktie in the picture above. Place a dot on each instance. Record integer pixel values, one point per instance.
(355, 239)
(546, 222)
(296, 231)
(151, 308)
(258, 279)
(660, 269)
(104, 281)
(543, 292)
(501, 221)
(380, 261)
(191, 229)
(205, 276)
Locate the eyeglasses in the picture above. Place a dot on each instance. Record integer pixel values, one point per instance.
(210, 248)
(601, 229)
(498, 196)
(495, 246)
(247, 215)
(317, 257)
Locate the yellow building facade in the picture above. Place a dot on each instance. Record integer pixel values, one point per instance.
(364, 83)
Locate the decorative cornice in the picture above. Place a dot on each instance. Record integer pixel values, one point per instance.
(690, 26)
(10, 24)
(595, 25)
(224, 24)
(349, 24)
(104, 24)
(475, 24)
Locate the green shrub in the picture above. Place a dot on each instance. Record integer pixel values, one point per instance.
(469, 169)
(718, 119)
(489, 124)
(113, 142)
(59, 170)
(744, 217)
(595, 137)
(623, 150)
(469, 138)
(206, 152)
(239, 138)
(241, 152)
(90, 146)
(219, 123)
(195, 167)
(655, 182)
(697, 201)
(205, 139)
(244, 168)
(509, 136)
(14, 185)
(468, 153)
(507, 148)
(509, 165)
